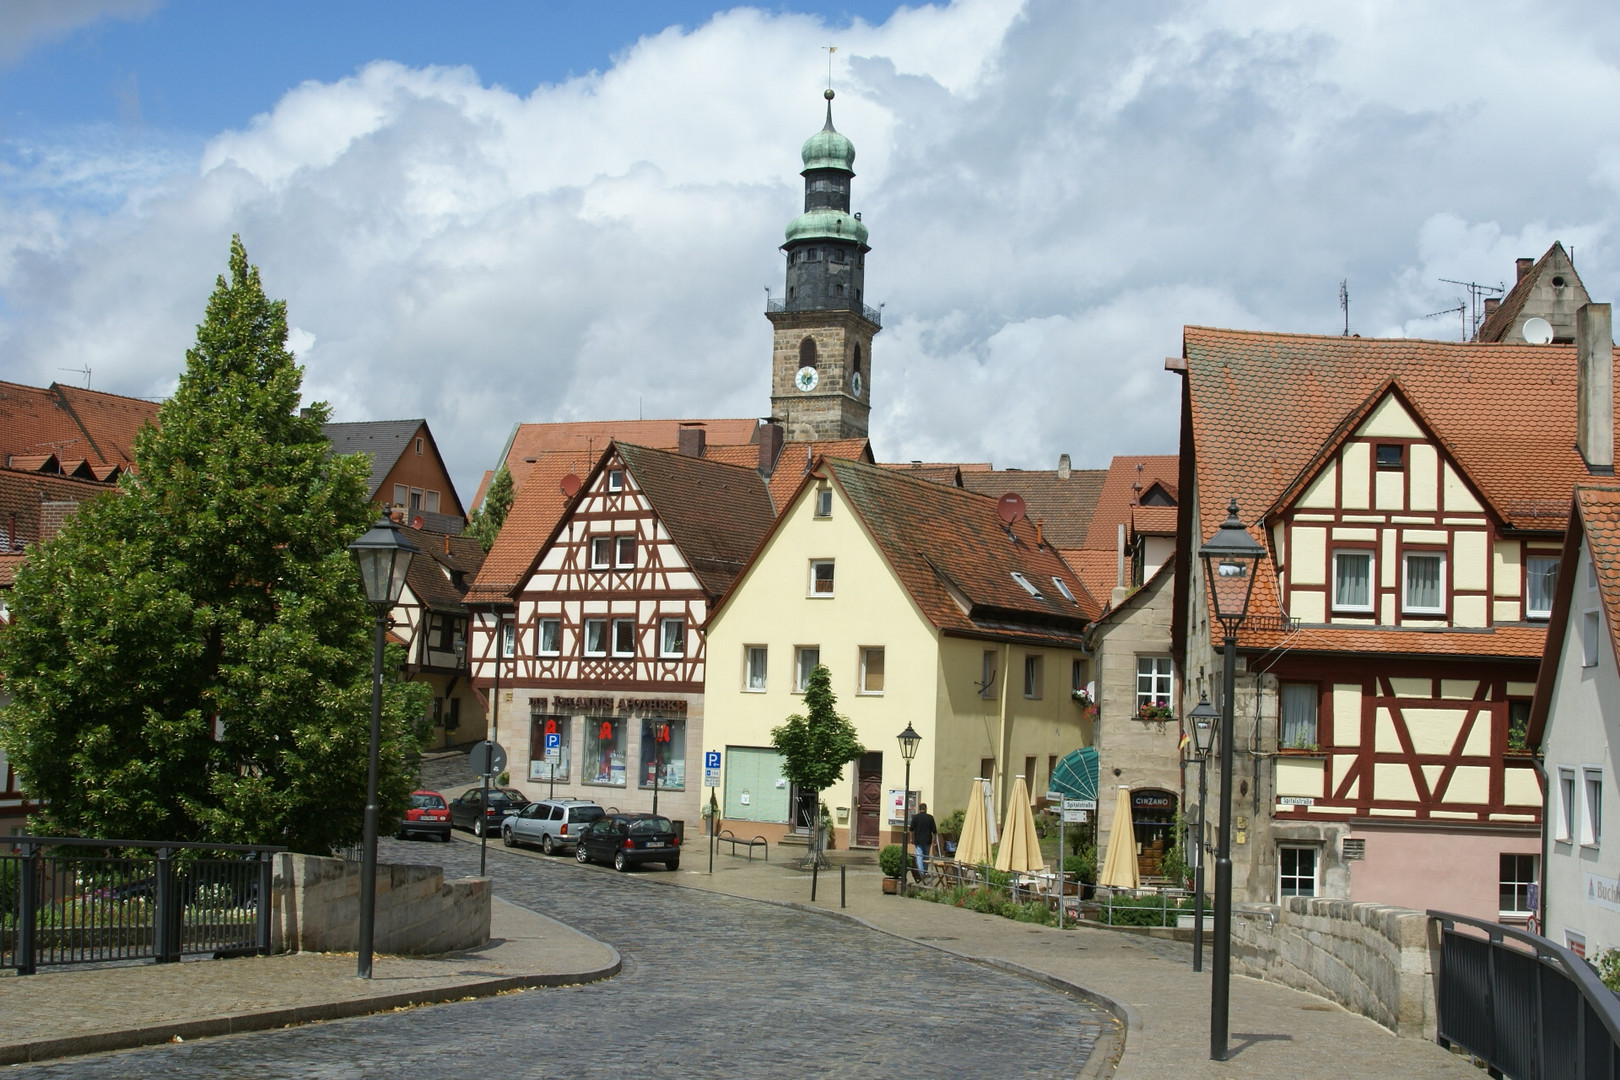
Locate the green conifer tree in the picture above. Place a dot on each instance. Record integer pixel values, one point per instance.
(190, 659)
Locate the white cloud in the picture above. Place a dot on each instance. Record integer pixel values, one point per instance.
(1054, 189)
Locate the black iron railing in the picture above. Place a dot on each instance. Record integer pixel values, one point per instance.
(1528, 1008)
(870, 314)
(69, 900)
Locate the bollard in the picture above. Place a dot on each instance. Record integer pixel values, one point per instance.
(815, 869)
(841, 887)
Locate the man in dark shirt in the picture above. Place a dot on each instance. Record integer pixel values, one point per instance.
(924, 838)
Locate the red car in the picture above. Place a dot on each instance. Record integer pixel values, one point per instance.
(429, 815)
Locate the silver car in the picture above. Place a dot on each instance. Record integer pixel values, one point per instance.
(554, 824)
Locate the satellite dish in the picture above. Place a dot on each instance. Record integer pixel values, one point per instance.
(1010, 507)
(1538, 331)
(570, 485)
(416, 523)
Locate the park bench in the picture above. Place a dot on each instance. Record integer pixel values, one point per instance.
(728, 837)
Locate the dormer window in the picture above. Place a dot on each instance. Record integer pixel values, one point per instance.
(1391, 456)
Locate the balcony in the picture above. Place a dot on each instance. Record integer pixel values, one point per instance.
(871, 315)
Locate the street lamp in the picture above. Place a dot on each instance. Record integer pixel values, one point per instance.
(1203, 718)
(384, 555)
(1230, 558)
(909, 741)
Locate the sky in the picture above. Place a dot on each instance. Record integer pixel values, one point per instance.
(490, 213)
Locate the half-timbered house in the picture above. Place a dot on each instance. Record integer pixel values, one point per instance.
(602, 647)
(1412, 498)
(431, 622)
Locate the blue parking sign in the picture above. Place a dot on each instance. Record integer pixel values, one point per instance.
(711, 768)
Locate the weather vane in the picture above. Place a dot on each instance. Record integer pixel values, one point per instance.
(830, 50)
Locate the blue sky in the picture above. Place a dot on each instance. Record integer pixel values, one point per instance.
(528, 212)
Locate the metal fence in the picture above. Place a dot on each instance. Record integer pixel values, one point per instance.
(1528, 1008)
(68, 900)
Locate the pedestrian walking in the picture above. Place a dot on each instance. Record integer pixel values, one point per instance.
(924, 838)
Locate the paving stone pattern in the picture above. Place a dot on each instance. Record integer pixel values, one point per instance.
(712, 986)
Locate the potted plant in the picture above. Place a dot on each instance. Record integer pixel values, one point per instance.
(1155, 710)
(892, 860)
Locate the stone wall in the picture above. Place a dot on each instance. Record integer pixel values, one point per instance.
(317, 908)
(1372, 959)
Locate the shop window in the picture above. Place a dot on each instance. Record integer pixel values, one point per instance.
(539, 767)
(663, 753)
(604, 751)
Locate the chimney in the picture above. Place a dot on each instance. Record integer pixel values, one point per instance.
(1523, 267)
(306, 412)
(1040, 536)
(1491, 304)
(1120, 591)
(1063, 466)
(1594, 416)
(691, 440)
(770, 446)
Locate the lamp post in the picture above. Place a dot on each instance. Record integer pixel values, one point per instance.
(1203, 719)
(1230, 558)
(909, 741)
(384, 555)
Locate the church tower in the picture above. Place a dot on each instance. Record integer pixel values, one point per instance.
(821, 373)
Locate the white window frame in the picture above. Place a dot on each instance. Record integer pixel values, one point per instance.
(823, 502)
(1591, 806)
(619, 543)
(508, 632)
(1316, 870)
(618, 625)
(1027, 585)
(1591, 637)
(1064, 590)
(1568, 796)
(764, 654)
(1034, 676)
(604, 545)
(615, 480)
(816, 592)
(1517, 883)
(555, 625)
(801, 671)
(677, 624)
(1407, 605)
(601, 627)
(1372, 580)
(1552, 584)
(1159, 671)
(864, 687)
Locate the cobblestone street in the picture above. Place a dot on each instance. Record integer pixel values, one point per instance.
(712, 986)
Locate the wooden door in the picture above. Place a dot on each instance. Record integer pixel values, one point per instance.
(868, 800)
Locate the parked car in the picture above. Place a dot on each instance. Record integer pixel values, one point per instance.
(502, 801)
(554, 824)
(428, 815)
(628, 839)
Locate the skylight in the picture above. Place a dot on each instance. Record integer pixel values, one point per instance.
(1029, 586)
(1064, 589)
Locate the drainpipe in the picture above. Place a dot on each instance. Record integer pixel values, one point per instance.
(1004, 736)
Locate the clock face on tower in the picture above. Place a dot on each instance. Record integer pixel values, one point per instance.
(855, 383)
(806, 379)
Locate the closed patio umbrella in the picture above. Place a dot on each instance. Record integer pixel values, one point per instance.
(973, 846)
(1119, 865)
(1020, 849)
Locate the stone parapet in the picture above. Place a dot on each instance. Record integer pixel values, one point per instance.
(316, 908)
(1371, 958)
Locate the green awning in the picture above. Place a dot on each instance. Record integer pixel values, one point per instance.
(1076, 774)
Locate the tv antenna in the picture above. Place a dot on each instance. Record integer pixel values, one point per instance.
(1344, 303)
(1476, 302)
(1460, 309)
(85, 371)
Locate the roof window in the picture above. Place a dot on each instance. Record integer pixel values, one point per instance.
(1064, 589)
(1028, 585)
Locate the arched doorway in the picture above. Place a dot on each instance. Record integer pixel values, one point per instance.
(1153, 815)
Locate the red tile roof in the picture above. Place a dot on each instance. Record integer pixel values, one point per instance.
(1128, 478)
(1064, 506)
(33, 507)
(955, 556)
(1264, 406)
(1597, 509)
(530, 442)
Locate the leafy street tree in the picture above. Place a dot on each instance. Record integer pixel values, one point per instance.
(488, 518)
(816, 746)
(190, 659)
